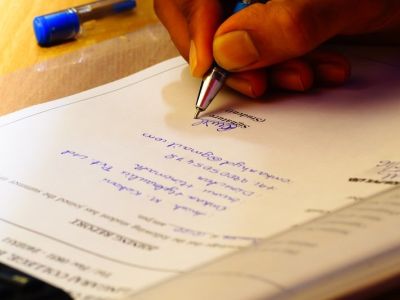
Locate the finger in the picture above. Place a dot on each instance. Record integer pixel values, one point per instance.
(192, 25)
(266, 34)
(170, 14)
(330, 67)
(292, 75)
(252, 83)
(203, 18)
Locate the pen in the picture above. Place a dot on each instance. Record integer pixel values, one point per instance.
(215, 78)
(65, 25)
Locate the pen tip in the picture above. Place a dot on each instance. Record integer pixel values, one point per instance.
(196, 116)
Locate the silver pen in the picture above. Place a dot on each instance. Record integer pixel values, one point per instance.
(215, 78)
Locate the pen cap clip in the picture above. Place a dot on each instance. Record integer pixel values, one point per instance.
(56, 27)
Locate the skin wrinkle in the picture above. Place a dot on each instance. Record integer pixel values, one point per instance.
(381, 13)
(295, 30)
(305, 24)
(190, 11)
(280, 36)
(296, 41)
(279, 48)
(321, 14)
(255, 14)
(388, 16)
(187, 10)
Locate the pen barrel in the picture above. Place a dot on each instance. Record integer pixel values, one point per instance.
(103, 8)
(210, 86)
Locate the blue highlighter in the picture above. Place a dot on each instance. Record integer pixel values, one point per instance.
(65, 25)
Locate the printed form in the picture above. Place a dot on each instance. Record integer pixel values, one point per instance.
(115, 189)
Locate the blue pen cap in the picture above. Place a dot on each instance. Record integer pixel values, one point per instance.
(57, 27)
(124, 5)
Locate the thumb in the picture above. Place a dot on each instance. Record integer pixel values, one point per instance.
(265, 34)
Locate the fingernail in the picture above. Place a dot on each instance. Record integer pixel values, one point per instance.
(235, 50)
(331, 73)
(241, 85)
(288, 80)
(192, 58)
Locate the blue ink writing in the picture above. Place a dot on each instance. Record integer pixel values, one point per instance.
(171, 190)
(180, 182)
(192, 211)
(220, 125)
(122, 188)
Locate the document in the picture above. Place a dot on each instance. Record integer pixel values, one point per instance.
(116, 190)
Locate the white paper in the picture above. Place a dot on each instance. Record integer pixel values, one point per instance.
(328, 257)
(112, 190)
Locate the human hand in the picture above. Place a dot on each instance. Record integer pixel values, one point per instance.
(276, 44)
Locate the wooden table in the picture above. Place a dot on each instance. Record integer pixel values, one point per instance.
(108, 49)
